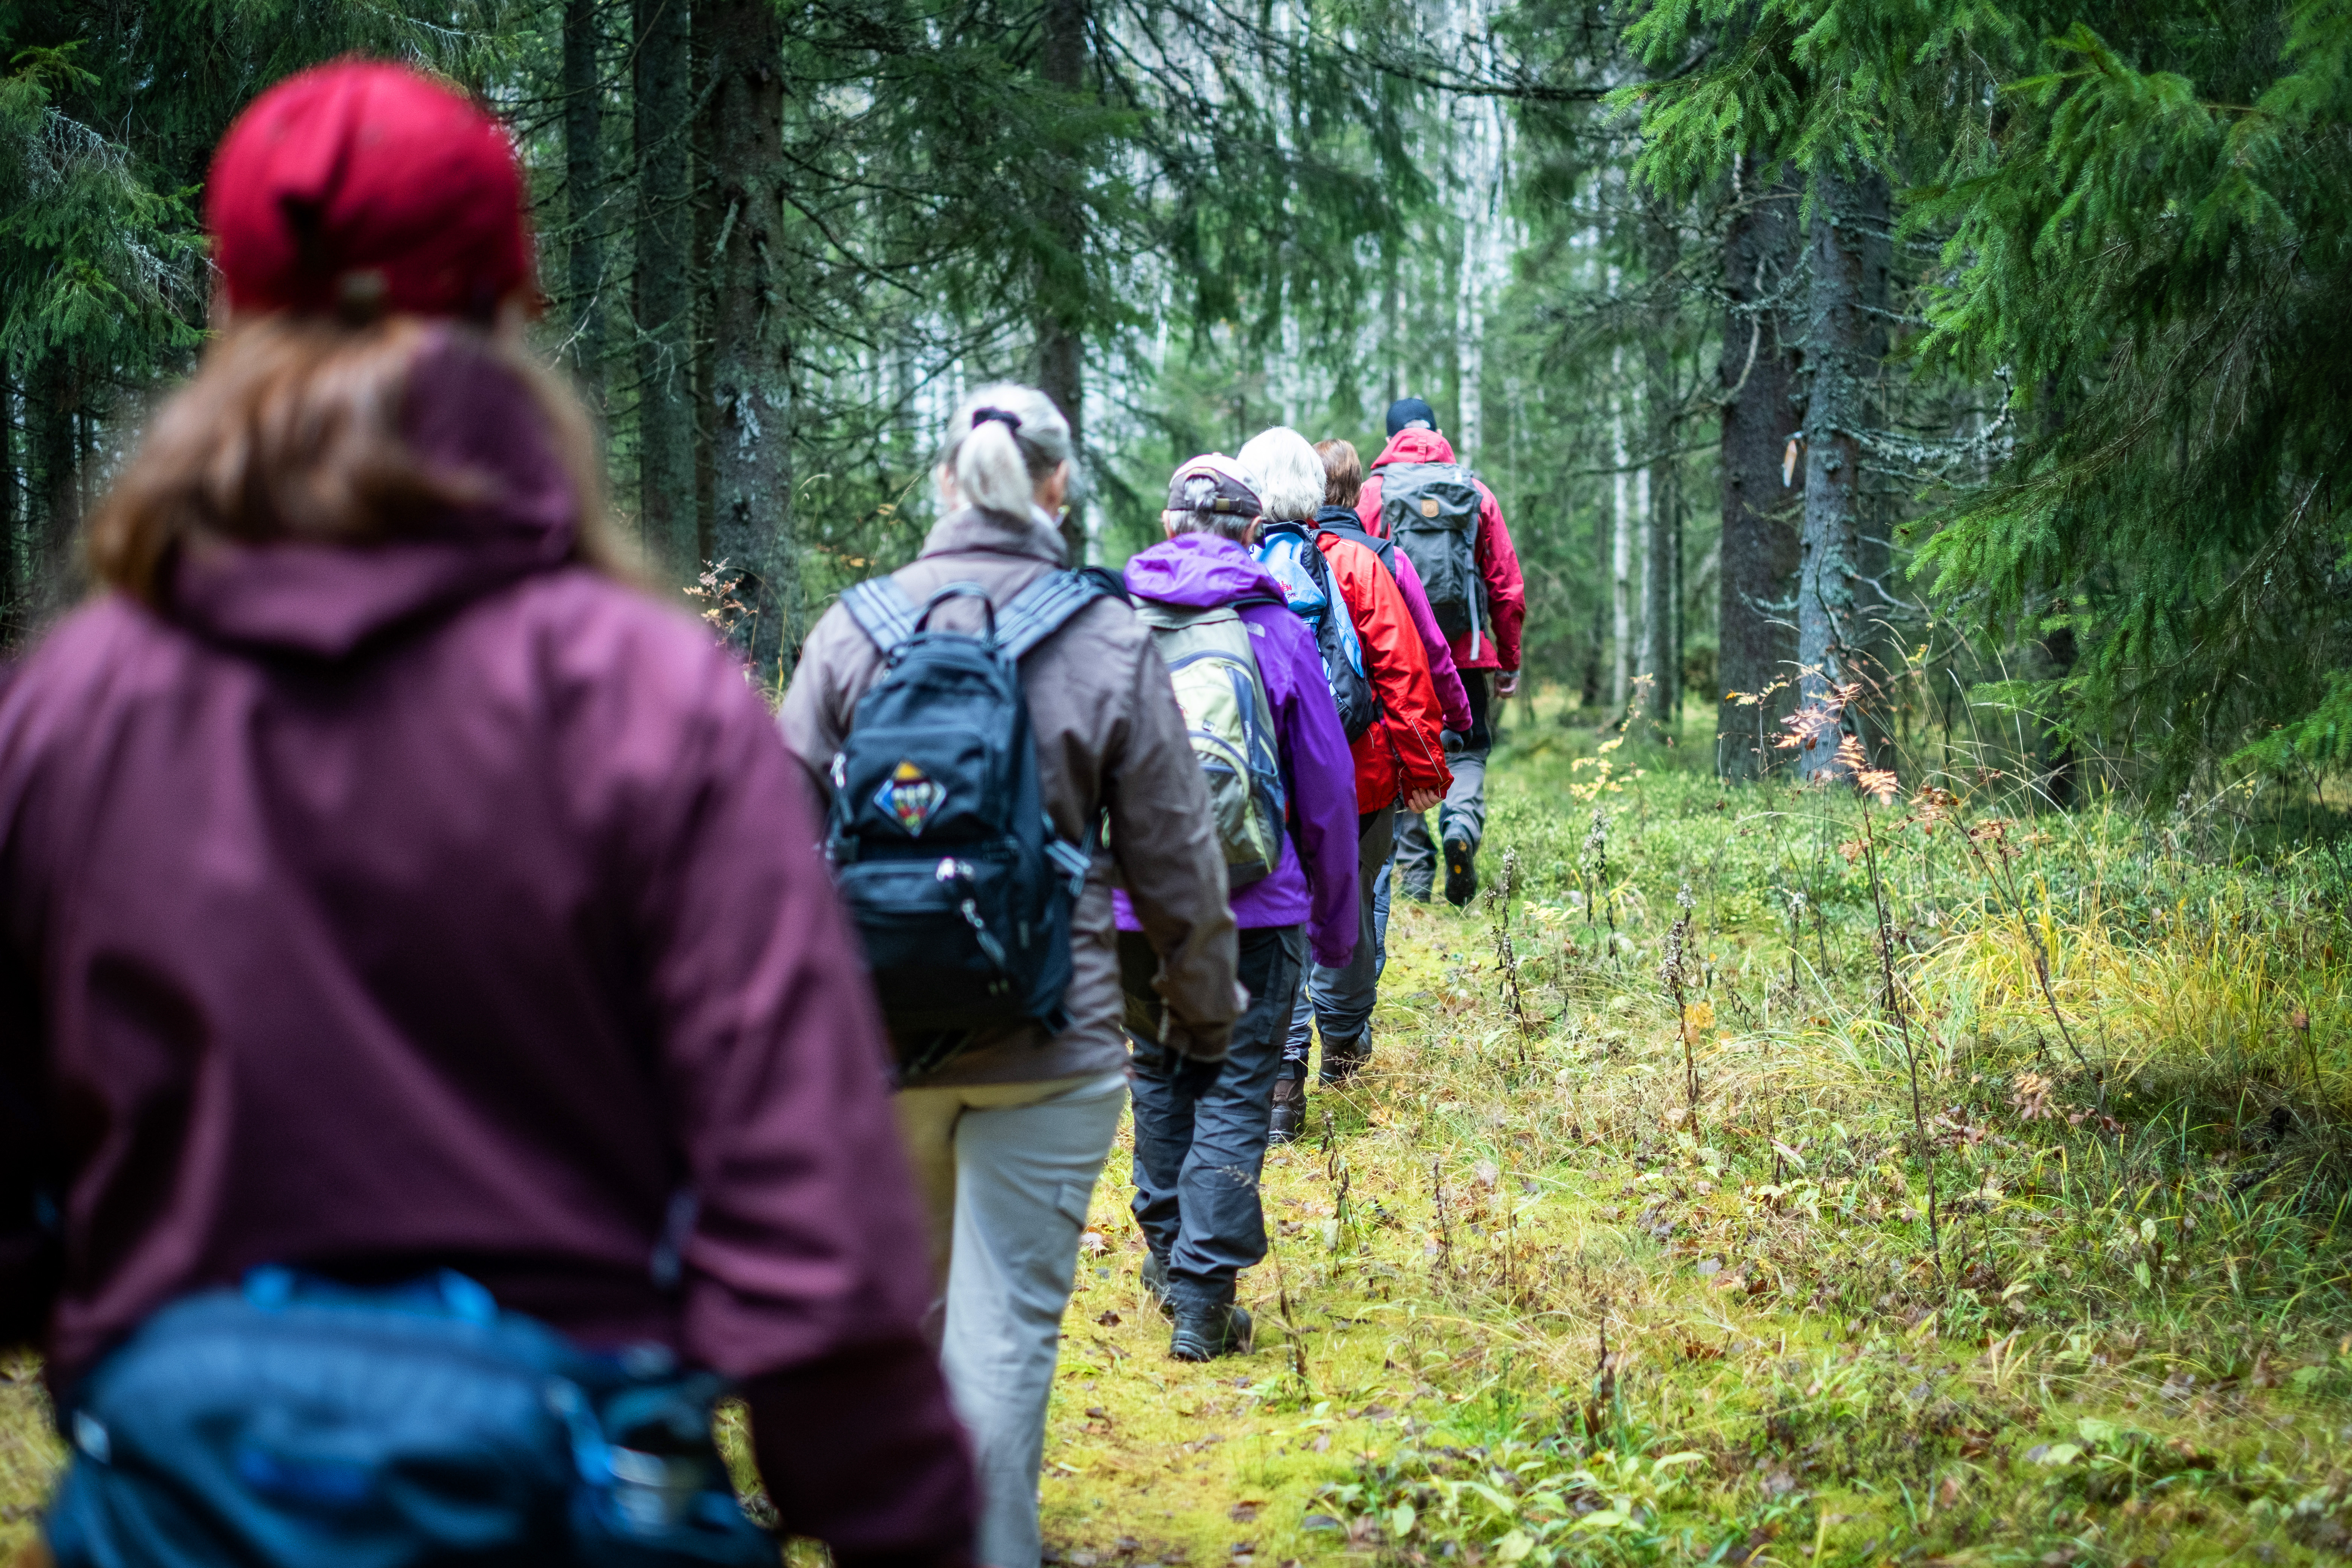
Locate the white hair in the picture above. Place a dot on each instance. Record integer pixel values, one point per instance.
(1289, 474)
(994, 464)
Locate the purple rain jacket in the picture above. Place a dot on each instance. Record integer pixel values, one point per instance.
(1316, 880)
(1453, 698)
(448, 902)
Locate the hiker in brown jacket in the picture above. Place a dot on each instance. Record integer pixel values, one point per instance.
(1008, 1138)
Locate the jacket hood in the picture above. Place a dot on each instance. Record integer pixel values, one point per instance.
(1198, 571)
(1338, 517)
(465, 417)
(1416, 446)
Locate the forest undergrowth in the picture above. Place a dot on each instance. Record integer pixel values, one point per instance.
(1769, 1176)
(1681, 1218)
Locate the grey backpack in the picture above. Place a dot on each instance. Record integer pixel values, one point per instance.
(1213, 669)
(1431, 509)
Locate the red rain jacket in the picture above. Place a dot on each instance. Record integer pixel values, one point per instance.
(1498, 559)
(1401, 751)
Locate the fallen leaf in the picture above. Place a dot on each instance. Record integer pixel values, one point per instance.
(1109, 1320)
(1243, 1512)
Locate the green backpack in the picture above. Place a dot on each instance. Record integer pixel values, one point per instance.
(1214, 670)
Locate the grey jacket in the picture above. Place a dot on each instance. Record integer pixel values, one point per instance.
(1110, 740)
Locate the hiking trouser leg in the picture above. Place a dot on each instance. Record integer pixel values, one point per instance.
(1463, 815)
(1416, 856)
(1344, 997)
(1024, 1157)
(1382, 886)
(1197, 1161)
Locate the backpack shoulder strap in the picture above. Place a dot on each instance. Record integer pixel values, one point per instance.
(882, 611)
(1040, 609)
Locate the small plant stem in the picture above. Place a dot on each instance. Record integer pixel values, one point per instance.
(1894, 1003)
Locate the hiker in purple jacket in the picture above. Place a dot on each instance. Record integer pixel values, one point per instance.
(1200, 1137)
(389, 884)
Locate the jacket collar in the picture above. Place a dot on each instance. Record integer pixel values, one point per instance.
(996, 533)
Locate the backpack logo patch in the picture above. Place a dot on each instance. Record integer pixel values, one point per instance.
(1428, 507)
(910, 796)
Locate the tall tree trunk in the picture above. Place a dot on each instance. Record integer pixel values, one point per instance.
(1658, 584)
(52, 411)
(1061, 292)
(1620, 551)
(1760, 547)
(1660, 418)
(1837, 362)
(11, 509)
(663, 88)
(583, 179)
(751, 464)
(1874, 659)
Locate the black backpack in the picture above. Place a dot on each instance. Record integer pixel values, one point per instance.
(956, 879)
(1289, 551)
(1431, 509)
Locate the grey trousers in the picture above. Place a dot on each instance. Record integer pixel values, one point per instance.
(1338, 1002)
(1007, 1171)
(1463, 814)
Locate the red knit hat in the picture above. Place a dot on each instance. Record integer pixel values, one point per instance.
(368, 187)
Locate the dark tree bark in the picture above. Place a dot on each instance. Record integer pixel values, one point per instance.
(751, 393)
(1838, 364)
(583, 178)
(1061, 286)
(1759, 375)
(12, 514)
(664, 86)
(53, 412)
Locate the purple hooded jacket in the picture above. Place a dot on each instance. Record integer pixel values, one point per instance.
(448, 902)
(1198, 571)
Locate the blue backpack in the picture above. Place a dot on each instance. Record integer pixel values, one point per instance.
(1288, 550)
(300, 1421)
(959, 887)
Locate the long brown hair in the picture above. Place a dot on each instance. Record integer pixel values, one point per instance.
(290, 429)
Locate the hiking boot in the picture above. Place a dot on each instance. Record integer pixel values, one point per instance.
(1205, 1333)
(1289, 1117)
(1461, 872)
(1155, 1284)
(1343, 1059)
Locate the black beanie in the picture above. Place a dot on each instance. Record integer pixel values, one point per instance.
(1406, 410)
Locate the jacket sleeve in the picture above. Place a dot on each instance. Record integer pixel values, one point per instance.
(1453, 698)
(805, 1272)
(1321, 775)
(1168, 857)
(1506, 591)
(1400, 669)
(817, 710)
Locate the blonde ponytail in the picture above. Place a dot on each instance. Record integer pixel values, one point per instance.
(1003, 442)
(989, 471)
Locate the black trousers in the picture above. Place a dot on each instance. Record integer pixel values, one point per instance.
(1197, 1160)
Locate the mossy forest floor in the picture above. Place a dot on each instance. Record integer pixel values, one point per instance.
(1636, 1241)
(1531, 1301)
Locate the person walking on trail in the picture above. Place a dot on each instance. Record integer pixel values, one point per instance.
(432, 1059)
(1008, 1133)
(1448, 521)
(1343, 479)
(1400, 758)
(1283, 788)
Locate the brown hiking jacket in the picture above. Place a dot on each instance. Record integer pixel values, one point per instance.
(1111, 740)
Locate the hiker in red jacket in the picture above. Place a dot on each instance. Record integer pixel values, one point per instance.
(1400, 764)
(432, 1057)
(1470, 573)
